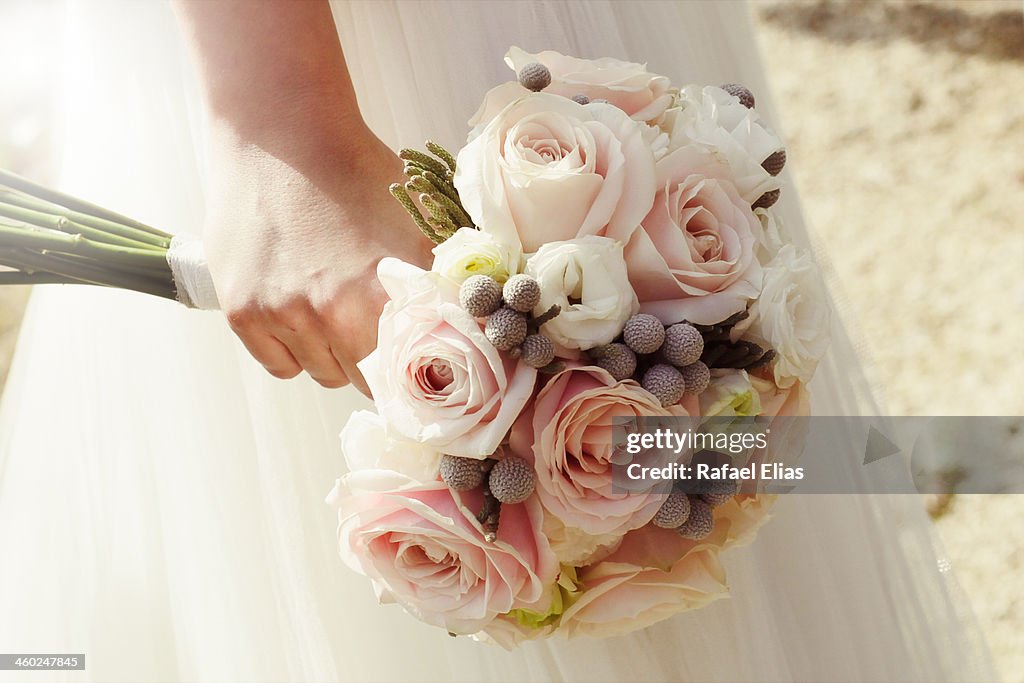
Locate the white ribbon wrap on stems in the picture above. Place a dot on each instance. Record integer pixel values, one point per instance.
(192, 273)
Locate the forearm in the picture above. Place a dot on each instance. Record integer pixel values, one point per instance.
(274, 75)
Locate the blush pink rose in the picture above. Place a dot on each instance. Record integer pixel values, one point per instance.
(693, 257)
(547, 169)
(568, 436)
(655, 573)
(434, 376)
(422, 547)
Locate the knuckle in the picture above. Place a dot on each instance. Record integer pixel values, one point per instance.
(242, 317)
(294, 314)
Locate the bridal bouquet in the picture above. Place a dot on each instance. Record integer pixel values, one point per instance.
(606, 247)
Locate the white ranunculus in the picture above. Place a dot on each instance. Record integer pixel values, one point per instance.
(547, 169)
(366, 445)
(711, 117)
(730, 394)
(587, 278)
(472, 252)
(791, 316)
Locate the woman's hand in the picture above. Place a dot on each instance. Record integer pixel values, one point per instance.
(299, 212)
(293, 246)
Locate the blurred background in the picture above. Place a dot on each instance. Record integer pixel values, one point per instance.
(905, 130)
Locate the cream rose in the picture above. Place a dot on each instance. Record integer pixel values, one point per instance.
(434, 376)
(693, 256)
(791, 316)
(587, 279)
(547, 169)
(423, 548)
(710, 117)
(567, 435)
(472, 252)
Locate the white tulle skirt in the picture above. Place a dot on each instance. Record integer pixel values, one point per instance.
(161, 498)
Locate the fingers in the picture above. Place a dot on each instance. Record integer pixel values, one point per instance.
(349, 336)
(351, 371)
(313, 353)
(273, 355)
(287, 341)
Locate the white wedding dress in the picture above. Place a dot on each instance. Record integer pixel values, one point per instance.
(161, 498)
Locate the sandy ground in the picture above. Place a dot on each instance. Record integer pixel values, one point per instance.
(905, 127)
(905, 124)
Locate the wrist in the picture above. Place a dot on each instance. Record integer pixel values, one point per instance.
(305, 130)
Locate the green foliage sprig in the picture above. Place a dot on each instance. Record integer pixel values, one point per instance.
(431, 175)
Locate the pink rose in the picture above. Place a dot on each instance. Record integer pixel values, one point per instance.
(655, 573)
(693, 256)
(434, 376)
(568, 435)
(547, 169)
(627, 85)
(422, 547)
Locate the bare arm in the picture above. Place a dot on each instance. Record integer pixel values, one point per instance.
(299, 211)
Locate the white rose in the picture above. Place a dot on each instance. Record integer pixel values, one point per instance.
(587, 278)
(548, 169)
(791, 316)
(711, 117)
(366, 446)
(472, 252)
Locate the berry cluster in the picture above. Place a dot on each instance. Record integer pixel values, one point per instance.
(666, 361)
(510, 326)
(508, 480)
(692, 515)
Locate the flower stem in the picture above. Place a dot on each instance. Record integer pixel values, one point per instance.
(115, 232)
(20, 184)
(16, 277)
(71, 227)
(83, 272)
(81, 246)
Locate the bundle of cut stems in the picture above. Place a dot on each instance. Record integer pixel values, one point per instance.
(50, 237)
